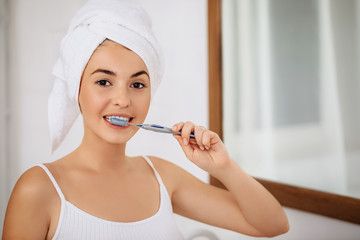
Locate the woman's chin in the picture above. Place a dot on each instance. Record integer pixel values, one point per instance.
(111, 137)
(116, 140)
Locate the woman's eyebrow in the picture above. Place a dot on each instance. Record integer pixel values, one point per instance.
(104, 71)
(114, 74)
(140, 73)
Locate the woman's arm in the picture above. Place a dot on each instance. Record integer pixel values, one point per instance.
(27, 215)
(246, 207)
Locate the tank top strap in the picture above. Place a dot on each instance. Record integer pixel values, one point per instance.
(58, 190)
(156, 173)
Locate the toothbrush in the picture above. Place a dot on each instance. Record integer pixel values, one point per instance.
(158, 128)
(151, 127)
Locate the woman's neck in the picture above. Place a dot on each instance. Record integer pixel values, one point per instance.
(98, 154)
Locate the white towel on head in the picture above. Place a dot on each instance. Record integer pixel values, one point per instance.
(122, 22)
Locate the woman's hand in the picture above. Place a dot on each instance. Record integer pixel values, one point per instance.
(256, 213)
(206, 150)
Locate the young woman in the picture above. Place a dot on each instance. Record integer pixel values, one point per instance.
(97, 192)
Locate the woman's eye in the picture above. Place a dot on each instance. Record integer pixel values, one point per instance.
(138, 85)
(103, 82)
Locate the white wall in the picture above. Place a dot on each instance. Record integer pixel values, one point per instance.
(4, 184)
(180, 26)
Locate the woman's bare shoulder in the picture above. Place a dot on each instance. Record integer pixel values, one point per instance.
(34, 185)
(30, 205)
(164, 166)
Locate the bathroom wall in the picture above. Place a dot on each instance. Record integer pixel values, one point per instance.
(3, 110)
(36, 28)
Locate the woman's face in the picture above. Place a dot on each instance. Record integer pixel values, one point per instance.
(115, 82)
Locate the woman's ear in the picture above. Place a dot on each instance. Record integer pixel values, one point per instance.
(80, 108)
(79, 94)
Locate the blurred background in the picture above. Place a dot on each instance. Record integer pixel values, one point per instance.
(291, 91)
(30, 34)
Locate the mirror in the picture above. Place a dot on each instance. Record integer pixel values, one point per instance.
(286, 76)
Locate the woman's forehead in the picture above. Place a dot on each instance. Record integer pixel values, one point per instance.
(116, 57)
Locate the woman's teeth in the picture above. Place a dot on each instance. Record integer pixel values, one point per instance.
(117, 117)
(117, 120)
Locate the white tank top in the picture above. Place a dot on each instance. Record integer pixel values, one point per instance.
(74, 223)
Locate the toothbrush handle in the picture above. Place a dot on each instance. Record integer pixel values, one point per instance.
(158, 128)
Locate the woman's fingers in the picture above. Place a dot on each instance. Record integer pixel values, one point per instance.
(199, 131)
(177, 127)
(202, 135)
(206, 139)
(186, 131)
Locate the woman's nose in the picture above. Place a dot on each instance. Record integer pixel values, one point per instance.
(121, 98)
